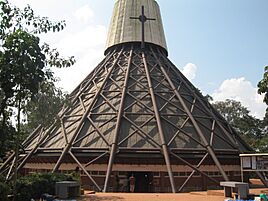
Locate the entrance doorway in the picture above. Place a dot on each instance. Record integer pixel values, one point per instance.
(143, 181)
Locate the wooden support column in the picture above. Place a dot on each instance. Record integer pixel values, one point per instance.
(159, 125)
(81, 123)
(118, 124)
(197, 128)
(201, 102)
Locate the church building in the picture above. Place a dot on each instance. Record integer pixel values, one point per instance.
(136, 115)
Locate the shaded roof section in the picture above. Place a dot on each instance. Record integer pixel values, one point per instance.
(125, 30)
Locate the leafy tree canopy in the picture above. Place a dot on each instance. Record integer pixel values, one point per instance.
(44, 106)
(231, 110)
(25, 65)
(251, 129)
(24, 61)
(7, 140)
(263, 87)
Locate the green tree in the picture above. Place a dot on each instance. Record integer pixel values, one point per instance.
(44, 106)
(231, 110)
(263, 85)
(4, 189)
(24, 62)
(251, 129)
(263, 89)
(7, 140)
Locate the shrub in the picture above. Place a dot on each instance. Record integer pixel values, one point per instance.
(4, 190)
(34, 185)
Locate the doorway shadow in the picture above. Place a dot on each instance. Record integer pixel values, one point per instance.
(143, 181)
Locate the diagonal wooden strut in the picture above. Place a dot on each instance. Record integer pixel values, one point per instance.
(199, 99)
(24, 159)
(198, 130)
(118, 124)
(10, 158)
(194, 168)
(159, 125)
(81, 123)
(85, 171)
(43, 138)
(262, 178)
(192, 173)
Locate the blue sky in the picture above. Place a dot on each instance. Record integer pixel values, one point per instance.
(224, 38)
(220, 45)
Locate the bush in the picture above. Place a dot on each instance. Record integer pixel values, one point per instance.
(34, 185)
(4, 190)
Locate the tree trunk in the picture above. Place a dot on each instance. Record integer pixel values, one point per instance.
(17, 152)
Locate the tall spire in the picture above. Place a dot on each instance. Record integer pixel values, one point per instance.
(124, 30)
(142, 18)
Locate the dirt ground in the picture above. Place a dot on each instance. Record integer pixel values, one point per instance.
(194, 196)
(150, 197)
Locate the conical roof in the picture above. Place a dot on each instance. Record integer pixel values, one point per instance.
(134, 104)
(125, 82)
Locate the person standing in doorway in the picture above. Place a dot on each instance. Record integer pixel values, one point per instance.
(132, 182)
(77, 174)
(117, 182)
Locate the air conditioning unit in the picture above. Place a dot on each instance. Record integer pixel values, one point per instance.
(67, 189)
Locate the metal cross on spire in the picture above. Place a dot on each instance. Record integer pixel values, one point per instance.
(142, 18)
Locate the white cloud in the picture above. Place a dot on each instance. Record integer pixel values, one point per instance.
(22, 3)
(88, 47)
(80, 42)
(189, 71)
(242, 90)
(48, 8)
(84, 14)
(71, 77)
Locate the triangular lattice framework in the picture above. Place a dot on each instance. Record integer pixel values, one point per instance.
(134, 100)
